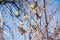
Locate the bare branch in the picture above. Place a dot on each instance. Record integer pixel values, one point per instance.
(51, 16)
(49, 3)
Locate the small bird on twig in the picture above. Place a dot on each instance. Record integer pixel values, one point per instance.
(17, 14)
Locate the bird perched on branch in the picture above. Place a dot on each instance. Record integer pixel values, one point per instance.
(24, 16)
(17, 14)
(35, 27)
(22, 31)
(33, 6)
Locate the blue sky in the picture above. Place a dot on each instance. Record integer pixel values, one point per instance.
(9, 21)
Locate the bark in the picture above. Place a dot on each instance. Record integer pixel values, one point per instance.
(44, 9)
(2, 29)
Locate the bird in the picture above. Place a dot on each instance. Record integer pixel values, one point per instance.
(35, 27)
(24, 16)
(22, 31)
(20, 28)
(17, 14)
(32, 6)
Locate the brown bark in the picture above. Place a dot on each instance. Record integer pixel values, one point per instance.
(2, 29)
(44, 9)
